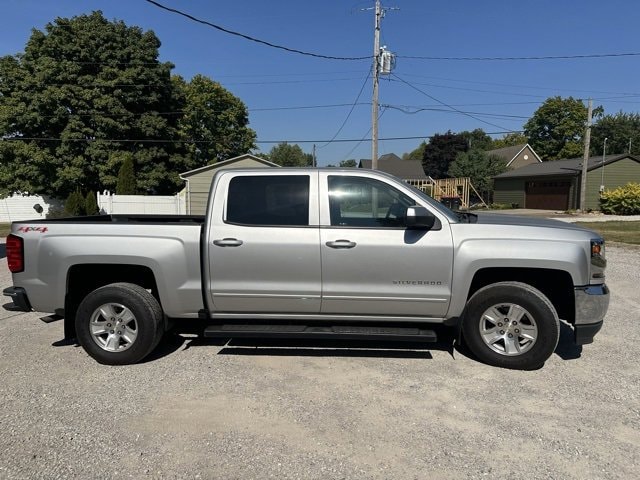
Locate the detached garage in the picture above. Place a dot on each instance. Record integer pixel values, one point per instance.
(555, 185)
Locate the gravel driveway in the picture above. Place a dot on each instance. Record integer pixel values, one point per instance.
(308, 411)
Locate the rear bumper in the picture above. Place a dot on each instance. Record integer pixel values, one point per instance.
(20, 301)
(592, 303)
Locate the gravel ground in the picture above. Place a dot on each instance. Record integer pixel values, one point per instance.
(202, 410)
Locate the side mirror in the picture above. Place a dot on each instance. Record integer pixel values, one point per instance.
(420, 217)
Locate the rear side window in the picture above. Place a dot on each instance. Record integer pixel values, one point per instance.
(269, 200)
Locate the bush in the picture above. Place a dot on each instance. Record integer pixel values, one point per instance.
(622, 201)
(91, 204)
(56, 212)
(74, 205)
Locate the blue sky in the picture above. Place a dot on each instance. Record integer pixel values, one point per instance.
(274, 84)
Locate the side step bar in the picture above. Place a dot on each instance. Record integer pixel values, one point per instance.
(343, 332)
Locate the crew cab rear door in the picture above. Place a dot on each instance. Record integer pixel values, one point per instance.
(371, 262)
(263, 242)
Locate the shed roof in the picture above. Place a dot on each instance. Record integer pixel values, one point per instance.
(226, 163)
(568, 167)
(393, 164)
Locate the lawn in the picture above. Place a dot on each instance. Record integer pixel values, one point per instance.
(624, 232)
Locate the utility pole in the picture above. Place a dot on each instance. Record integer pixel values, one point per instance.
(376, 74)
(314, 163)
(585, 160)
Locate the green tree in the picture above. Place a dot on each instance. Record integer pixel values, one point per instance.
(619, 130)
(480, 167)
(75, 204)
(556, 129)
(509, 140)
(441, 150)
(79, 95)
(477, 139)
(290, 156)
(351, 163)
(215, 119)
(126, 177)
(416, 154)
(91, 204)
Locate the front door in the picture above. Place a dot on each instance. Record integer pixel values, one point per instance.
(263, 244)
(371, 263)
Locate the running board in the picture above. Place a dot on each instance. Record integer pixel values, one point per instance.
(341, 332)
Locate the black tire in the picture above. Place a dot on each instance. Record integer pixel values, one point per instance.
(131, 318)
(494, 338)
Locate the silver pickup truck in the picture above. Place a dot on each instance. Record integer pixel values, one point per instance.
(313, 253)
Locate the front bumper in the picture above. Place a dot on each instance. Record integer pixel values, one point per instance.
(592, 303)
(20, 301)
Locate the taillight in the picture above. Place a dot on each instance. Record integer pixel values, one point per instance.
(15, 254)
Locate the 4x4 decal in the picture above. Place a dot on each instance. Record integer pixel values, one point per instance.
(33, 229)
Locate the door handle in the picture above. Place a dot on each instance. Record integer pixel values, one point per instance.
(228, 242)
(341, 244)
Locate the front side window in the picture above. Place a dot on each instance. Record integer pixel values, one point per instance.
(366, 202)
(269, 200)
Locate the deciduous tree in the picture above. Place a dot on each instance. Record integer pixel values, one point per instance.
(509, 140)
(215, 119)
(480, 167)
(556, 129)
(87, 91)
(290, 156)
(621, 130)
(441, 150)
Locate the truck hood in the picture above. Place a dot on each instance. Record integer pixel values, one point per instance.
(507, 219)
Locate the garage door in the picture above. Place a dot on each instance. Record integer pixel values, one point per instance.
(547, 195)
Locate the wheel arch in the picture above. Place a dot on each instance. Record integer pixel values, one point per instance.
(556, 285)
(85, 278)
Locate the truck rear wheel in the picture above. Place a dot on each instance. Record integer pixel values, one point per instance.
(511, 325)
(119, 324)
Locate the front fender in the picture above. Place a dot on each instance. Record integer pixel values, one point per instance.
(474, 255)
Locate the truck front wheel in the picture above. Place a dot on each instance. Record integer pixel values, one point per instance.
(119, 324)
(511, 325)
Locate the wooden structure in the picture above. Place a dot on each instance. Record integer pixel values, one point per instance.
(443, 188)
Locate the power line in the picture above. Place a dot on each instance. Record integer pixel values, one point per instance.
(304, 107)
(364, 138)
(353, 106)
(472, 82)
(183, 112)
(167, 85)
(545, 57)
(248, 37)
(415, 110)
(446, 105)
(477, 90)
(153, 141)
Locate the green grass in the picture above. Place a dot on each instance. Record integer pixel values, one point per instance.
(5, 229)
(623, 232)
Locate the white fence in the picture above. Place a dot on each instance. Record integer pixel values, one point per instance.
(21, 207)
(135, 204)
